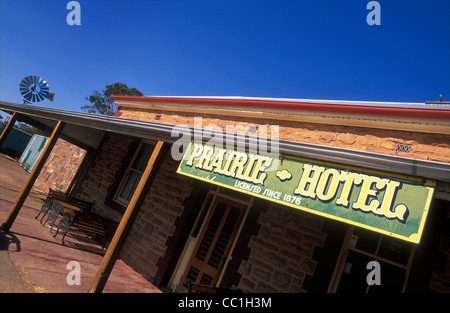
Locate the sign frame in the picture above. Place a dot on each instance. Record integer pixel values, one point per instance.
(427, 184)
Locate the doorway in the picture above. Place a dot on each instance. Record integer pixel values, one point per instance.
(356, 271)
(212, 239)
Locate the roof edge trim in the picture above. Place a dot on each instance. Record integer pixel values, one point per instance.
(364, 108)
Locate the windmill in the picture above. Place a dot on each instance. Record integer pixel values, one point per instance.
(34, 89)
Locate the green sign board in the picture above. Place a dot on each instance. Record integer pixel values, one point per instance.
(387, 203)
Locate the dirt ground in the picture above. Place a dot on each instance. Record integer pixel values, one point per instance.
(12, 178)
(33, 260)
(12, 277)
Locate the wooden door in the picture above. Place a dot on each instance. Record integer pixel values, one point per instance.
(214, 243)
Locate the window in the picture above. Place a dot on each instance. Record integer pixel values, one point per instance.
(362, 246)
(133, 173)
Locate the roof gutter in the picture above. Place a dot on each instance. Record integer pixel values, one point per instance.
(151, 130)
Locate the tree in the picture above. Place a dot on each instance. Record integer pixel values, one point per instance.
(102, 103)
(32, 130)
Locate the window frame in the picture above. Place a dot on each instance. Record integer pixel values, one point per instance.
(117, 194)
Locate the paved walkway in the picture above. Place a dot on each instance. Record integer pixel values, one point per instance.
(32, 260)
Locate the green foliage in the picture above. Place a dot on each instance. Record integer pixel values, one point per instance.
(32, 130)
(102, 103)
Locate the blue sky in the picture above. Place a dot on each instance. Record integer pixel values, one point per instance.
(283, 49)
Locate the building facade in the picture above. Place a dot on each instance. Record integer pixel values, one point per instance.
(225, 235)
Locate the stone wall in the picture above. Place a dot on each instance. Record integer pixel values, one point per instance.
(101, 173)
(155, 223)
(60, 168)
(281, 253)
(424, 146)
(163, 204)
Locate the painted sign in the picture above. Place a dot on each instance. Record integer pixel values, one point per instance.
(387, 203)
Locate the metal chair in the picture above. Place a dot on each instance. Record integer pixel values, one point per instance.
(45, 207)
(64, 225)
(53, 214)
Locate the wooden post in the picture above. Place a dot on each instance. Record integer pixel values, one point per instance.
(8, 128)
(32, 178)
(128, 218)
(340, 263)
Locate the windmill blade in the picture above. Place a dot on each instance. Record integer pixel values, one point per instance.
(28, 80)
(44, 88)
(27, 96)
(24, 86)
(24, 90)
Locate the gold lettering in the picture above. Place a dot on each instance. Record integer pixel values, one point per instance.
(205, 158)
(248, 169)
(230, 158)
(198, 148)
(261, 164)
(307, 184)
(388, 199)
(367, 192)
(333, 185)
(350, 179)
(238, 164)
(217, 160)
